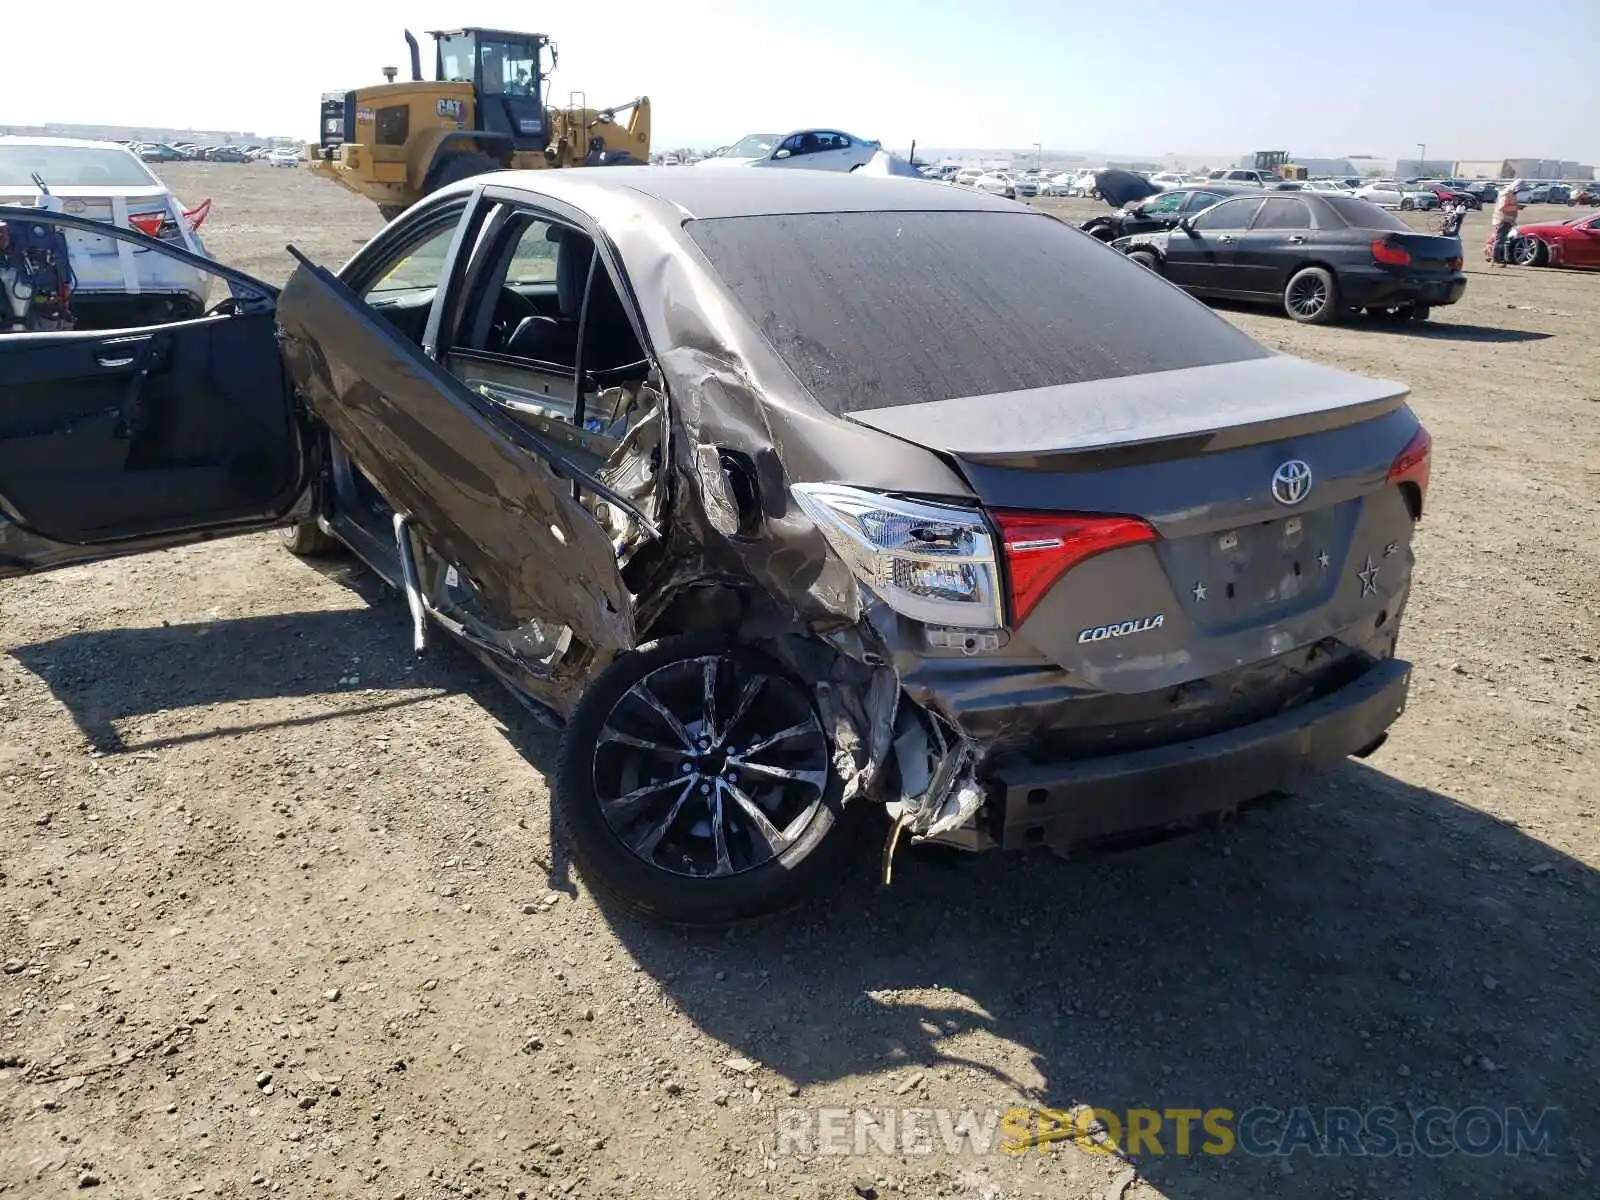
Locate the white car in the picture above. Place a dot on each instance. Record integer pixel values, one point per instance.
(1387, 193)
(1167, 180)
(283, 157)
(1238, 175)
(996, 183)
(1083, 183)
(967, 176)
(810, 149)
(106, 181)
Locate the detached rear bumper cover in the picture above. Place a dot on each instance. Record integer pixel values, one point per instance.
(1061, 803)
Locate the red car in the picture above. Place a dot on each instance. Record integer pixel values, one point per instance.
(1574, 242)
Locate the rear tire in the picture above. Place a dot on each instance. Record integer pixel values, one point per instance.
(1311, 296)
(1419, 312)
(657, 855)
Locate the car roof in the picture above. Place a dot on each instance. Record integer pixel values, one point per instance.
(708, 195)
(64, 143)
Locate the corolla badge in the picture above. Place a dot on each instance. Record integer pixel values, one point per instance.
(1291, 482)
(1100, 633)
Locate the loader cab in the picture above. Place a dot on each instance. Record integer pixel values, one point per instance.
(507, 74)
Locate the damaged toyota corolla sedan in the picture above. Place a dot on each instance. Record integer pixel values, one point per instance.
(783, 495)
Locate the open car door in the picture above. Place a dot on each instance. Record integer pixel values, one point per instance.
(494, 501)
(143, 402)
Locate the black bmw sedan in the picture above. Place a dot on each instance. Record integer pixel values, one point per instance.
(1319, 256)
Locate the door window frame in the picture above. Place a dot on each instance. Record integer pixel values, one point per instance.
(1257, 227)
(1240, 201)
(492, 208)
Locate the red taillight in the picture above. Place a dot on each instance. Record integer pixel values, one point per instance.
(148, 224)
(1454, 263)
(1389, 254)
(1039, 548)
(1411, 466)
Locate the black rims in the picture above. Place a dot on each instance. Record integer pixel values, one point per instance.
(705, 769)
(696, 783)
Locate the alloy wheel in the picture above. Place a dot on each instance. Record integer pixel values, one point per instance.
(707, 767)
(1307, 295)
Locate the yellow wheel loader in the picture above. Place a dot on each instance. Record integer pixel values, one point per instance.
(484, 110)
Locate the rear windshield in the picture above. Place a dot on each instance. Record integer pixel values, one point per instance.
(1364, 214)
(72, 166)
(879, 309)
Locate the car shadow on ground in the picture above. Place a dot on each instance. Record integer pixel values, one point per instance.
(109, 679)
(1365, 944)
(1443, 331)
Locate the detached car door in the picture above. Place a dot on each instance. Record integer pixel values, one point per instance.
(145, 405)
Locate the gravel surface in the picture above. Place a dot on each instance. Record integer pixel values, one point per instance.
(279, 911)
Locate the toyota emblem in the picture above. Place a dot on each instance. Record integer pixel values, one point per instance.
(1291, 482)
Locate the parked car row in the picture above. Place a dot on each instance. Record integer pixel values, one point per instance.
(158, 152)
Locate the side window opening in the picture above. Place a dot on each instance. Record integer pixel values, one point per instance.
(1283, 213)
(547, 312)
(403, 287)
(1231, 214)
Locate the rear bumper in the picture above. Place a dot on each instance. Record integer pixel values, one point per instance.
(1062, 803)
(1380, 288)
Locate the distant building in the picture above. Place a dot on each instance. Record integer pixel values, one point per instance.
(1417, 168)
(1525, 168)
(1546, 168)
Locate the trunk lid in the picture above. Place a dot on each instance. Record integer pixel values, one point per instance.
(1266, 483)
(1428, 251)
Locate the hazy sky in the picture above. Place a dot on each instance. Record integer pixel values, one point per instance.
(1201, 76)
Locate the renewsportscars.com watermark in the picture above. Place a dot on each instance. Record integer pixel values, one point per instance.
(1257, 1132)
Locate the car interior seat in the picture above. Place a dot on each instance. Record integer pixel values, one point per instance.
(609, 339)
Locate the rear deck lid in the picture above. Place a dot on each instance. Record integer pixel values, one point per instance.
(1167, 413)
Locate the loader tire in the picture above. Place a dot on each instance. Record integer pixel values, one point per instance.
(390, 211)
(457, 167)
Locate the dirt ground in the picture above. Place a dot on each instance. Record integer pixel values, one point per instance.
(279, 911)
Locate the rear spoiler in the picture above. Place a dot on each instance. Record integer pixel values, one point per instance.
(1211, 408)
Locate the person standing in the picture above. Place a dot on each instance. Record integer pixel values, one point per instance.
(1506, 209)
